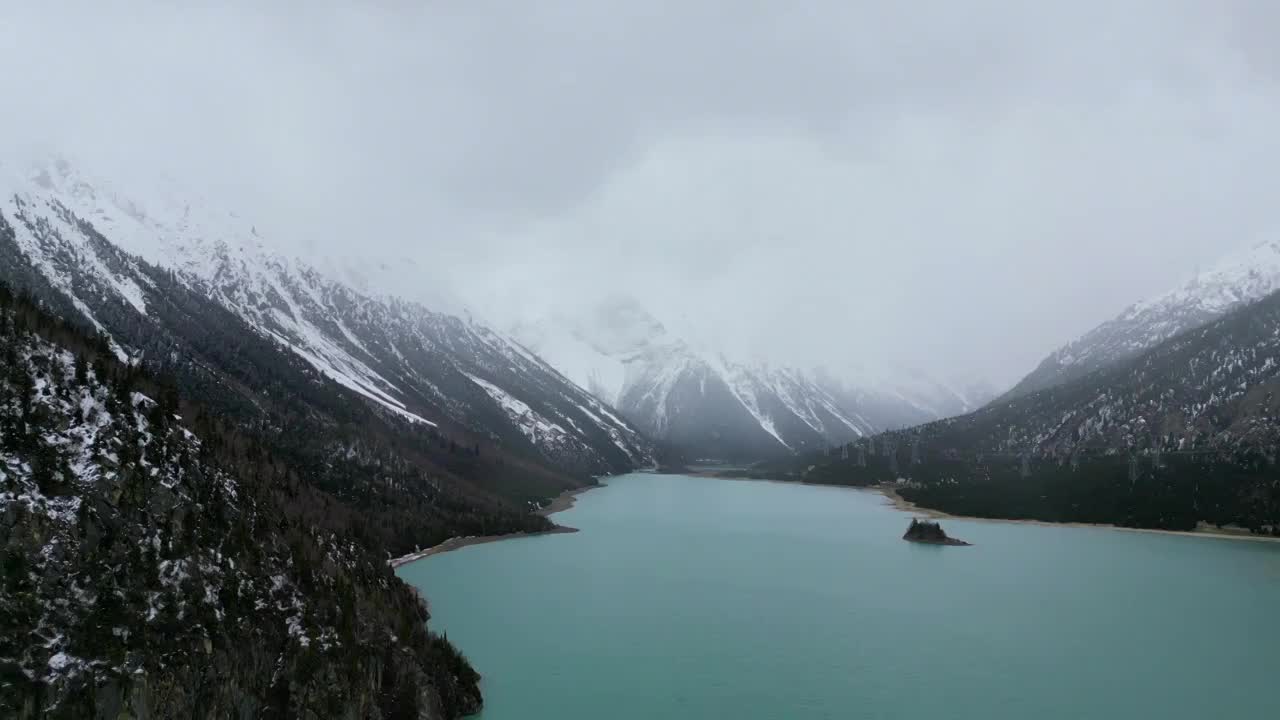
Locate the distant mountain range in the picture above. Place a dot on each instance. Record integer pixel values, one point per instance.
(715, 407)
(118, 256)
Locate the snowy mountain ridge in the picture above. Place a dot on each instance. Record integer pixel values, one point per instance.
(1238, 279)
(421, 365)
(714, 405)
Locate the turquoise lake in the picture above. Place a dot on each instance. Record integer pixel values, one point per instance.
(688, 597)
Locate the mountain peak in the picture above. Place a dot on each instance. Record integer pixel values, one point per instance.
(1240, 278)
(177, 226)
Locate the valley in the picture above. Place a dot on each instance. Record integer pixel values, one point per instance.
(383, 433)
(389, 433)
(571, 360)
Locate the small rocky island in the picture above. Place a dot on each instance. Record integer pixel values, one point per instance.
(929, 532)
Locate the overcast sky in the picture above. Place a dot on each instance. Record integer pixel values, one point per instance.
(961, 186)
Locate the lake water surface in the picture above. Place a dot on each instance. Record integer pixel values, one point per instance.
(688, 597)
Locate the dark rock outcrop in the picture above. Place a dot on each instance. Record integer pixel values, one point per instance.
(930, 533)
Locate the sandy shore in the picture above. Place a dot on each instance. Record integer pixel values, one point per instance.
(897, 501)
(461, 542)
(562, 502)
(901, 503)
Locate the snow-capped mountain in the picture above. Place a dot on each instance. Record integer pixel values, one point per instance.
(95, 244)
(1237, 280)
(715, 406)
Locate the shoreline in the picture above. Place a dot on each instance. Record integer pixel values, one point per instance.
(892, 498)
(457, 543)
(565, 500)
(898, 502)
(560, 503)
(569, 498)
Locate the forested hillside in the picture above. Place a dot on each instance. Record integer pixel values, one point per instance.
(159, 562)
(1184, 433)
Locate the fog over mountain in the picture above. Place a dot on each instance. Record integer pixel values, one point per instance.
(294, 297)
(861, 187)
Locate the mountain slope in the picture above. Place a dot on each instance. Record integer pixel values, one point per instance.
(718, 407)
(1186, 432)
(420, 365)
(150, 571)
(1235, 281)
(208, 291)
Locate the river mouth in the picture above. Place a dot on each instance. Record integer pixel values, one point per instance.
(697, 597)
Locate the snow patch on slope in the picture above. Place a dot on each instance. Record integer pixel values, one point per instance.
(534, 426)
(396, 353)
(743, 390)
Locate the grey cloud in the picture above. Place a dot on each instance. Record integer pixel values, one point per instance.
(960, 186)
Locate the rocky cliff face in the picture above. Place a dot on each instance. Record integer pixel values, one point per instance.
(152, 572)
